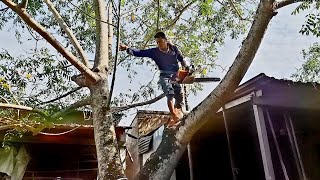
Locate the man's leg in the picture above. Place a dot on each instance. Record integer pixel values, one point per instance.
(178, 99)
(168, 89)
(171, 107)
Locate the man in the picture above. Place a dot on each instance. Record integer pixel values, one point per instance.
(166, 57)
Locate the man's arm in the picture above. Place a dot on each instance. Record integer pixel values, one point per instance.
(180, 58)
(135, 52)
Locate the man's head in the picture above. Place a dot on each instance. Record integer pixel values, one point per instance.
(161, 40)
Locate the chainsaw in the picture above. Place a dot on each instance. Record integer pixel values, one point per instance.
(186, 76)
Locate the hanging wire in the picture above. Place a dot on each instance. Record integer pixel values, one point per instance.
(59, 134)
(116, 57)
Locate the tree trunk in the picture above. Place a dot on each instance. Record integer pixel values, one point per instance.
(109, 163)
(162, 163)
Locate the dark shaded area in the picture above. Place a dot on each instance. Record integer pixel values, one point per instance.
(61, 161)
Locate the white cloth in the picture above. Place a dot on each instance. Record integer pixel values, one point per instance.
(14, 163)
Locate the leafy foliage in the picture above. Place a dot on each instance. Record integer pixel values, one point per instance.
(312, 24)
(310, 70)
(34, 78)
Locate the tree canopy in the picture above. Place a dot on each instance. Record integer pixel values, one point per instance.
(198, 28)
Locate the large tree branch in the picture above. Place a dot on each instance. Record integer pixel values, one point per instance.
(102, 51)
(60, 97)
(83, 102)
(177, 140)
(117, 109)
(55, 43)
(5, 127)
(280, 4)
(24, 4)
(23, 108)
(69, 32)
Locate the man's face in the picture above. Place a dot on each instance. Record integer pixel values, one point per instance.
(161, 43)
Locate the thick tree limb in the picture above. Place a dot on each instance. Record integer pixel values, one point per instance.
(69, 32)
(102, 51)
(5, 127)
(162, 163)
(280, 4)
(13, 106)
(24, 108)
(60, 97)
(117, 109)
(55, 43)
(24, 4)
(83, 102)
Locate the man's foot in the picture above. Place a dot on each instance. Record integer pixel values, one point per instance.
(179, 113)
(174, 121)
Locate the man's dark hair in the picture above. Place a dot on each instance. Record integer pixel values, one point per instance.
(160, 35)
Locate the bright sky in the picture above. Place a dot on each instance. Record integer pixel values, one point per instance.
(279, 55)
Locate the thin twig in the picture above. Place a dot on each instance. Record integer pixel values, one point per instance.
(236, 9)
(4, 9)
(60, 97)
(116, 58)
(117, 109)
(6, 100)
(91, 16)
(158, 18)
(173, 22)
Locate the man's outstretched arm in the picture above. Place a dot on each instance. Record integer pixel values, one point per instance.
(135, 52)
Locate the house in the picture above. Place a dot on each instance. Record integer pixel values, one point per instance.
(66, 151)
(268, 130)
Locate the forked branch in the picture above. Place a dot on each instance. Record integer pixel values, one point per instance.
(54, 42)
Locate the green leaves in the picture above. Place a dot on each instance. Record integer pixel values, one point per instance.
(35, 77)
(312, 24)
(310, 70)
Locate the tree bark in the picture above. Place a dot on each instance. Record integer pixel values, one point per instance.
(102, 51)
(162, 163)
(109, 163)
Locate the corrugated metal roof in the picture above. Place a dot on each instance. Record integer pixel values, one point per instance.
(150, 121)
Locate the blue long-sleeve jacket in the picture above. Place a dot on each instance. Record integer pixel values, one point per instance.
(165, 61)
